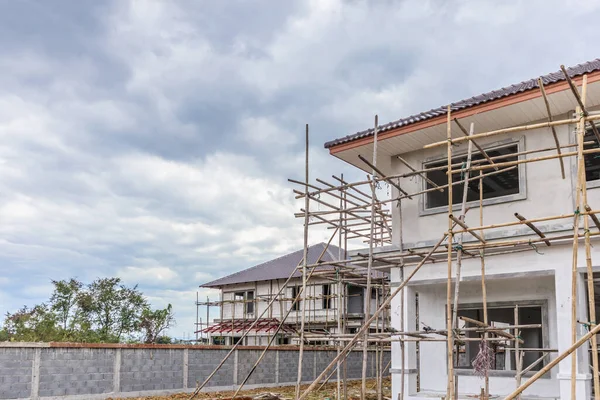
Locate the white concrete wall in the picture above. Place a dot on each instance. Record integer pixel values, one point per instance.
(547, 194)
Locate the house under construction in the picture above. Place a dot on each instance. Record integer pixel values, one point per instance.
(488, 238)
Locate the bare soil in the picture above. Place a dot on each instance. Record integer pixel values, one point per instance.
(284, 392)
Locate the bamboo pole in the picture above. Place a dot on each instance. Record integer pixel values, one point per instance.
(305, 263)
(529, 160)
(450, 337)
(481, 150)
(562, 164)
(402, 321)
(518, 359)
(360, 333)
(588, 253)
(422, 175)
(369, 266)
(575, 255)
(460, 238)
(532, 227)
(483, 287)
(579, 99)
(553, 363)
(513, 129)
(339, 299)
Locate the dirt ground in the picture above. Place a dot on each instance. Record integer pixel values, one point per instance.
(285, 392)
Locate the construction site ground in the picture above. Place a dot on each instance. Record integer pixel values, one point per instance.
(284, 392)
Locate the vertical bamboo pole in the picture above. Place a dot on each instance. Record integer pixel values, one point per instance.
(207, 315)
(369, 266)
(377, 351)
(345, 361)
(304, 266)
(232, 318)
(483, 287)
(339, 295)
(450, 337)
(574, 264)
(198, 318)
(518, 360)
(588, 251)
(402, 322)
(459, 252)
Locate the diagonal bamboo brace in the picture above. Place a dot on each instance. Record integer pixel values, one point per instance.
(533, 228)
(466, 228)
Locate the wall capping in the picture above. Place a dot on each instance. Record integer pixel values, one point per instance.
(69, 345)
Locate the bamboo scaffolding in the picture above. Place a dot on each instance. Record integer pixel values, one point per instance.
(366, 326)
(483, 287)
(367, 309)
(579, 99)
(513, 129)
(481, 150)
(554, 135)
(305, 263)
(450, 335)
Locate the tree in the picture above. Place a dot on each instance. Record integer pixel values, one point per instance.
(112, 307)
(105, 310)
(153, 323)
(63, 301)
(37, 324)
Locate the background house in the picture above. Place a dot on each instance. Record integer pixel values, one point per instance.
(246, 294)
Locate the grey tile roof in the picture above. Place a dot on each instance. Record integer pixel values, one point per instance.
(524, 86)
(279, 268)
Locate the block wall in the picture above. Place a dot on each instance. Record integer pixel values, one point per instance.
(90, 371)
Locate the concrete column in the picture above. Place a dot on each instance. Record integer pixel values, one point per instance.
(186, 356)
(562, 284)
(410, 355)
(117, 371)
(35, 374)
(235, 367)
(276, 366)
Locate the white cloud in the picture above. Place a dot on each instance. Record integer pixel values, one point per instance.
(155, 145)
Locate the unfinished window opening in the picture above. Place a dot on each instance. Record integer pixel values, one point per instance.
(295, 292)
(247, 298)
(592, 161)
(327, 300)
(283, 340)
(504, 354)
(498, 185)
(236, 340)
(355, 302)
(218, 340)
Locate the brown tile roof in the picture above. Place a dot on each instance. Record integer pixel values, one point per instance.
(558, 76)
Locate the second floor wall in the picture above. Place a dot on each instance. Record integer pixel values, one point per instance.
(533, 189)
(250, 300)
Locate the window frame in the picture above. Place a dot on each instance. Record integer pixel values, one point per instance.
(543, 304)
(589, 184)
(295, 305)
(327, 302)
(522, 171)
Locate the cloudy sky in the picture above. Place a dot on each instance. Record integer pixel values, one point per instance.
(152, 140)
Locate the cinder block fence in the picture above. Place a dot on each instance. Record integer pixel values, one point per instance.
(98, 371)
